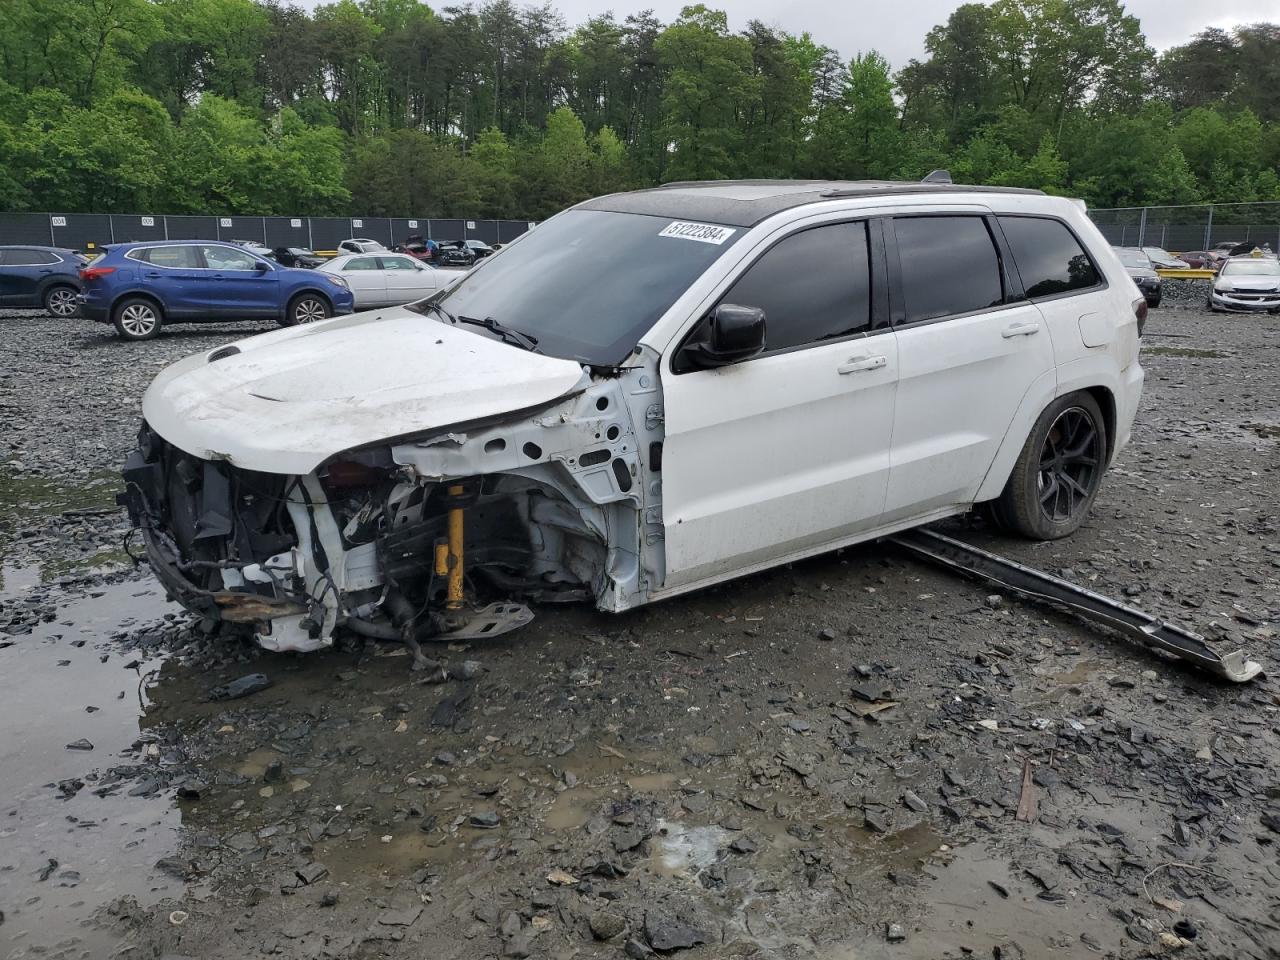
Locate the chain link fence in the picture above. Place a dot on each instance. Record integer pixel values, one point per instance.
(89, 231)
(1191, 227)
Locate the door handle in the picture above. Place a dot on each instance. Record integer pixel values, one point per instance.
(856, 364)
(154, 274)
(1023, 329)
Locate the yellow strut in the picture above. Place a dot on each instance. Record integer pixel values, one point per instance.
(454, 601)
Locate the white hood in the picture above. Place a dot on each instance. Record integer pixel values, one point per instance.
(293, 398)
(1246, 282)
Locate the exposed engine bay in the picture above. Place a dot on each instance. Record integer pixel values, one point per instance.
(436, 537)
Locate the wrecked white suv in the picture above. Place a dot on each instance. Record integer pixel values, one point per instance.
(649, 393)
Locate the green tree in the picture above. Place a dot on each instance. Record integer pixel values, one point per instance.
(709, 84)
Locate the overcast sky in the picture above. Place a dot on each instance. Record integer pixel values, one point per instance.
(897, 29)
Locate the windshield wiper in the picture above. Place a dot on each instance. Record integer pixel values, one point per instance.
(434, 306)
(504, 333)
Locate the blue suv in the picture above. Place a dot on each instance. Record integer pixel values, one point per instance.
(40, 277)
(140, 287)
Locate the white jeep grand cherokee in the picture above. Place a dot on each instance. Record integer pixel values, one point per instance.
(649, 393)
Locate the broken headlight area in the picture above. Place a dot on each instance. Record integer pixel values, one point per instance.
(362, 545)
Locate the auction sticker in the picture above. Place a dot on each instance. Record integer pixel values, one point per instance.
(702, 232)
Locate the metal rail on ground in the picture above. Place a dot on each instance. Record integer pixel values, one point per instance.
(1094, 607)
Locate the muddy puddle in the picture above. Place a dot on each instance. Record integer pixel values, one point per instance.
(62, 857)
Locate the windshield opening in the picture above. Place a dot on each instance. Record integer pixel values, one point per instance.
(587, 284)
(1133, 258)
(1252, 268)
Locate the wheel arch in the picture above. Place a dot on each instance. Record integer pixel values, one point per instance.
(48, 283)
(136, 295)
(1106, 401)
(1016, 437)
(303, 292)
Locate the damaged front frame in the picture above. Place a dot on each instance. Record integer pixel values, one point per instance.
(562, 503)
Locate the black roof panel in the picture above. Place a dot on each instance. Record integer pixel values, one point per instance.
(744, 203)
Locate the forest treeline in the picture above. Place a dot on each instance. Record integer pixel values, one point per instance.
(496, 109)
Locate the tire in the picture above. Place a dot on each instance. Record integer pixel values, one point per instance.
(1051, 489)
(137, 318)
(306, 308)
(1154, 301)
(60, 301)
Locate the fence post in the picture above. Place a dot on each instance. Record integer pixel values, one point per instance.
(111, 227)
(1208, 229)
(311, 244)
(1142, 228)
(264, 231)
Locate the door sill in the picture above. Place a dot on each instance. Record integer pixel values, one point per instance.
(874, 533)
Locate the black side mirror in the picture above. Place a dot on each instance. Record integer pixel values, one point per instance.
(734, 333)
(261, 266)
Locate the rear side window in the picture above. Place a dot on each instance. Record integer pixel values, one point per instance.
(813, 286)
(179, 258)
(1050, 259)
(949, 266)
(362, 263)
(26, 258)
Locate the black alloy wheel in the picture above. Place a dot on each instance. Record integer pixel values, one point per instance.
(1070, 462)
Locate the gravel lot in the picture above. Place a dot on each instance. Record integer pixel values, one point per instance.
(822, 761)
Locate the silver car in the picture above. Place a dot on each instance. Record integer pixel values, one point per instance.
(1247, 285)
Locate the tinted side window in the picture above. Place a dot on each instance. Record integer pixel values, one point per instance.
(362, 263)
(949, 266)
(23, 258)
(812, 286)
(1050, 260)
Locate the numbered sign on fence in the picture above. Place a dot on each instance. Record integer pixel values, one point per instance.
(58, 221)
(357, 223)
(296, 222)
(471, 224)
(413, 224)
(225, 222)
(148, 221)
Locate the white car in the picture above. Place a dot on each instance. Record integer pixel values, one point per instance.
(360, 245)
(1247, 284)
(651, 393)
(388, 279)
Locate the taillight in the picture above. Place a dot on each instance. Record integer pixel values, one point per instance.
(93, 273)
(1140, 311)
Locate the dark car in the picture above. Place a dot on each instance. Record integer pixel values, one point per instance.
(139, 287)
(297, 257)
(479, 248)
(47, 277)
(455, 253)
(1139, 267)
(1199, 259)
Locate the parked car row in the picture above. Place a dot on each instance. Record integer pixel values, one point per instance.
(141, 287)
(1247, 280)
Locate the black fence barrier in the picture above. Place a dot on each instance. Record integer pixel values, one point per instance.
(92, 231)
